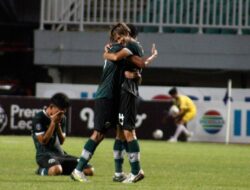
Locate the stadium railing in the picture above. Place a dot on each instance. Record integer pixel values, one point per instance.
(192, 16)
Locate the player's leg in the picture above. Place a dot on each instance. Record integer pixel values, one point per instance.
(86, 155)
(127, 119)
(69, 162)
(49, 166)
(119, 149)
(180, 127)
(89, 149)
(187, 117)
(137, 173)
(102, 122)
(134, 157)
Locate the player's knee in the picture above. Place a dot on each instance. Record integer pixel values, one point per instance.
(120, 135)
(97, 136)
(129, 135)
(55, 170)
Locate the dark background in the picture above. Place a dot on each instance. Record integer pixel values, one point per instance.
(18, 20)
(156, 112)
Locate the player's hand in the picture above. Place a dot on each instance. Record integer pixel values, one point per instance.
(107, 47)
(154, 50)
(57, 117)
(132, 75)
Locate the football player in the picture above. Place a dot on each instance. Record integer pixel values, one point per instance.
(49, 133)
(128, 103)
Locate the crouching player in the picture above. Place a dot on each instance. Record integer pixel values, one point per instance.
(48, 133)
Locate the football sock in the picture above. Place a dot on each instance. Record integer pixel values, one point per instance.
(43, 171)
(134, 156)
(180, 128)
(86, 155)
(118, 155)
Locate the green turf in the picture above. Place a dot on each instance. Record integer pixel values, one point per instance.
(182, 166)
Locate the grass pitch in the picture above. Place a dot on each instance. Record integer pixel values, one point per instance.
(180, 166)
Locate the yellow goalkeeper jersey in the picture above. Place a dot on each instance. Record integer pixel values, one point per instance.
(187, 106)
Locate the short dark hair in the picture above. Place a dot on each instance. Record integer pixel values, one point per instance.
(133, 30)
(173, 91)
(60, 100)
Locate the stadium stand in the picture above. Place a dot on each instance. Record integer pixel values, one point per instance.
(190, 16)
(35, 20)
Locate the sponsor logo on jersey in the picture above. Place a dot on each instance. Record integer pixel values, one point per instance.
(51, 161)
(38, 126)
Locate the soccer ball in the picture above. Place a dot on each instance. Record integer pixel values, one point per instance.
(158, 134)
(173, 111)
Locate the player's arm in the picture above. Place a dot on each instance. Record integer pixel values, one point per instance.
(143, 62)
(154, 54)
(136, 60)
(123, 53)
(126, 53)
(132, 74)
(60, 129)
(60, 133)
(44, 138)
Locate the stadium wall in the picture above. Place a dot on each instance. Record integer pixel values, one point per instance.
(209, 125)
(186, 51)
(16, 115)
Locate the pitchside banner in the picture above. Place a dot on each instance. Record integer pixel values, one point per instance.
(16, 115)
(209, 125)
(210, 122)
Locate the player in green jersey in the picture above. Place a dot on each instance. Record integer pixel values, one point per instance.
(48, 133)
(106, 106)
(128, 110)
(106, 101)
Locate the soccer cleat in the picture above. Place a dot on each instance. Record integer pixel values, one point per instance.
(172, 140)
(190, 134)
(134, 178)
(41, 171)
(119, 178)
(78, 176)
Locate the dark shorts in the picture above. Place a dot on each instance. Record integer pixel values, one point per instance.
(127, 110)
(105, 114)
(67, 162)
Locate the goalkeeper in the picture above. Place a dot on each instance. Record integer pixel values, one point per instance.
(186, 114)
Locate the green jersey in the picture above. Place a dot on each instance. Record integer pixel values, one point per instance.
(131, 85)
(109, 83)
(40, 125)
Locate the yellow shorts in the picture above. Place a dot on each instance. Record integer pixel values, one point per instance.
(188, 116)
